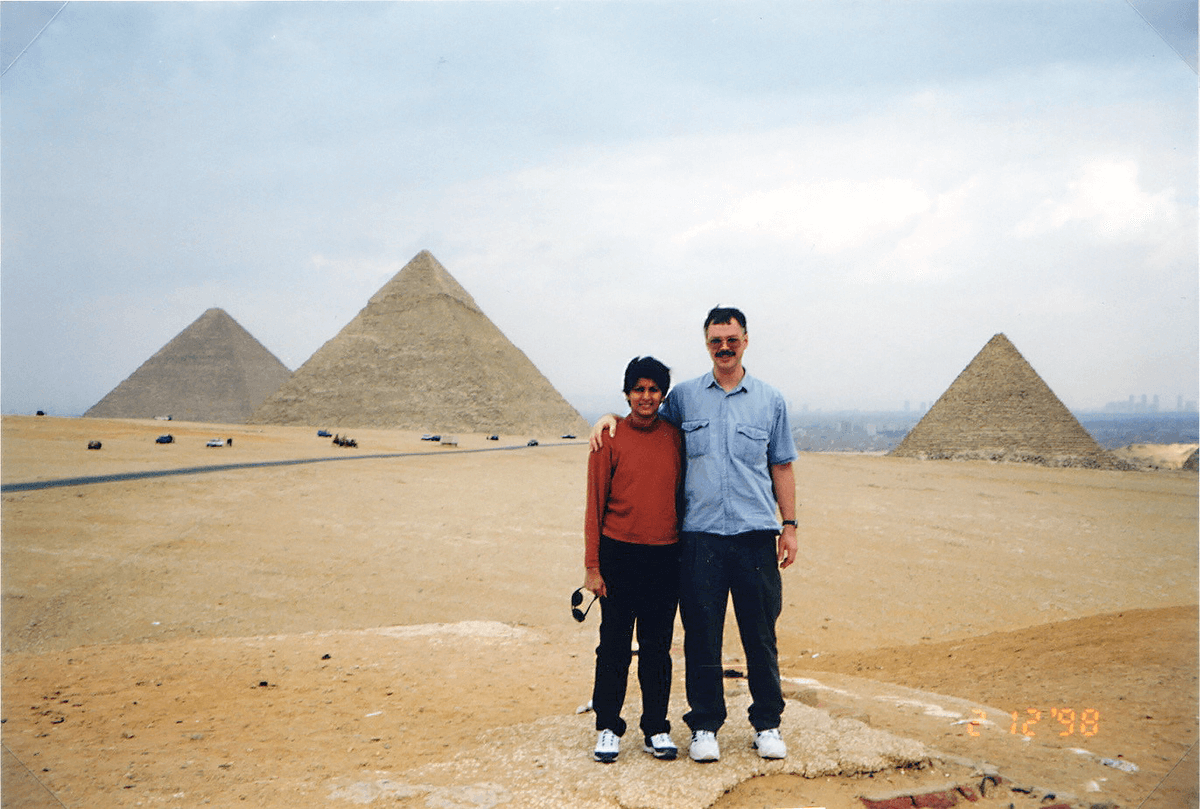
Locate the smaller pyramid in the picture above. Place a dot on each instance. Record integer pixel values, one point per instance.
(1000, 409)
(421, 355)
(214, 370)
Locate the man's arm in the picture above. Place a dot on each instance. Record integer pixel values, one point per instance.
(607, 420)
(784, 480)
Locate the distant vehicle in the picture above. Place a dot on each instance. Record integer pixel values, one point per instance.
(215, 442)
(93, 445)
(324, 434)
(162, 418)
(165, 439)
(493, 438)
(531, 442)
(568, 435)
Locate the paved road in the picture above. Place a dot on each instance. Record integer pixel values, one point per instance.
(196, 470)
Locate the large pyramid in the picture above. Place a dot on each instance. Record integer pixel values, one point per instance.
(214, 370)
(1000, 409)
(421, 356)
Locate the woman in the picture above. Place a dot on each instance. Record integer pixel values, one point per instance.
(631, 560)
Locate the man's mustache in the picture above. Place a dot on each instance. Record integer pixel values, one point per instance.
(725, 352)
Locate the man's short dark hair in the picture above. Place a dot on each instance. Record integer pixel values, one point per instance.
(647, 368)
(724, 314)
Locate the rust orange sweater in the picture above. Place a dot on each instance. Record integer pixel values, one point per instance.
(633, 482)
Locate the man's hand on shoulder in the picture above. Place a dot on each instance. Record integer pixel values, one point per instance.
(609, 421)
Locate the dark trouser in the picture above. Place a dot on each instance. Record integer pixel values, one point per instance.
(643, 587)
(711, 568)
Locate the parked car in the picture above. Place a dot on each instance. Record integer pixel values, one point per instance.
(568, 435)
(324, 434)
(493, 438)
(215, 442)
(531, 442)
(165, 439)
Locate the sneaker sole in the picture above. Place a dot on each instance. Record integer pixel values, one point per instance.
(670, 754)
(605, 758)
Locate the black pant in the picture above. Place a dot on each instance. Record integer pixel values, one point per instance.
(643, 587)
(712, 568)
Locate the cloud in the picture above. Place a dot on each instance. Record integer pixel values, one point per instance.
(831, 216)
(1106, 198)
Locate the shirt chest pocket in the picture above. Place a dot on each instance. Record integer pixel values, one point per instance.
(696, 437)
(750, 444)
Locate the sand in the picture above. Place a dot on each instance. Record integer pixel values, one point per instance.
(393, 629)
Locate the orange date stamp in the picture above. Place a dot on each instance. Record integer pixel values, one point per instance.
(1085, 723)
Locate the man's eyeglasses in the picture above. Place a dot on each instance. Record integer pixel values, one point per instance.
(576, 600)
(732, 342)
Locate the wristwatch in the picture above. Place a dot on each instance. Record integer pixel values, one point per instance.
(791, 523)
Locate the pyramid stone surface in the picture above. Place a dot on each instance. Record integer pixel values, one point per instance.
(421, 355)
(1000, 409)
(214, 370)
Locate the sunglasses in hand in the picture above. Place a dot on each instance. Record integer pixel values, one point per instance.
(576, 600)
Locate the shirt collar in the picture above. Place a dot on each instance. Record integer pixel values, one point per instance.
(743, 385)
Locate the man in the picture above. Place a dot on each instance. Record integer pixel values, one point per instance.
(631, 560)
(739, 453)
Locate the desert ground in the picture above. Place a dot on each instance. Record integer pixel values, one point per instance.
(389, 625)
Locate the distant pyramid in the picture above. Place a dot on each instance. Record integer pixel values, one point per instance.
(1000, 409)
(213, 370)
(421, 356)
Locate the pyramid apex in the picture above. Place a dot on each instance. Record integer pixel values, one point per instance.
(214, 313)
(422, 278)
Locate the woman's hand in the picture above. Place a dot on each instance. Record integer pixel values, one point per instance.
(593, 582)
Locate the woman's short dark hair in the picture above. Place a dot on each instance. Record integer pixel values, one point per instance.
(647, 368)
(724, 314)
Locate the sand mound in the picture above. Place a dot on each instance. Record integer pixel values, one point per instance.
(1158, 456)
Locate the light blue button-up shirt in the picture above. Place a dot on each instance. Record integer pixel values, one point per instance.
(731, 439)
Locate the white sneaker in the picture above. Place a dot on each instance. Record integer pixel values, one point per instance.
(769, 744)
(704, 746)
(661, 746)
(608, 745)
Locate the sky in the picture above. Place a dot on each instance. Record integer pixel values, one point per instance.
(880, 186)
